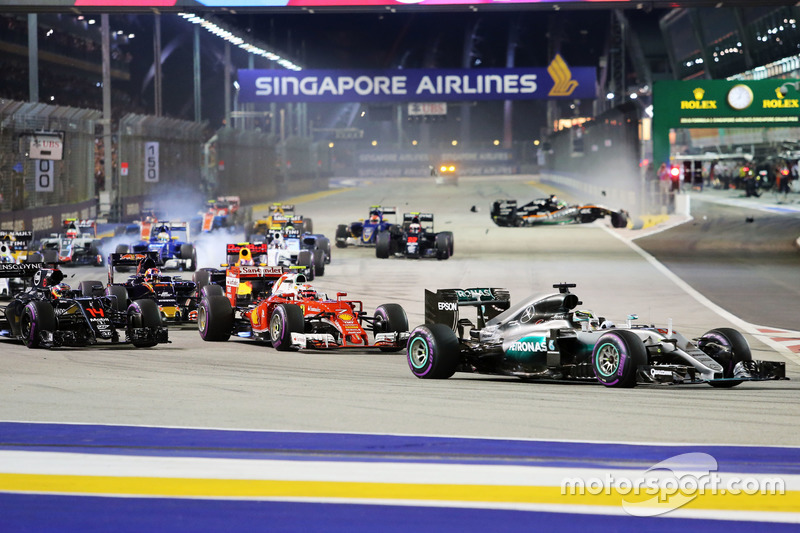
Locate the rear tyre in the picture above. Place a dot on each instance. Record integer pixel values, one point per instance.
(433, 352)
(121, 249)
(619, 220)
(144, 314)
(97, 258)
(616, 358)
(285, 320)
(739, 351)
(201, 278)
(308, 226)
(304, 259)
(35, 257)
(120, 297)
(389, 318)
(188, 252)
(383, 245)
(215, 318)
(442, 246)
(341, 236)
(91, 288)
(319, 262)
(38, 316)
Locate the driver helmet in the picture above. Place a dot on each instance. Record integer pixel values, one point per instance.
(59, 291)
(163, 236)
(72, 233)
(414, 228)
(152, 274)
(306, 291)
(374, 218)
(584, 315)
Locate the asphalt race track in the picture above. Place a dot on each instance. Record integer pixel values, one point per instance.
(242, 385)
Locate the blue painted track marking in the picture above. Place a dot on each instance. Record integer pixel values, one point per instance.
(178, 442)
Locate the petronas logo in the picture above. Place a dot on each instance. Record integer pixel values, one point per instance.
(563, 84)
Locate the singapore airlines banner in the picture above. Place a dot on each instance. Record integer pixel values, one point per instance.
(418, 85)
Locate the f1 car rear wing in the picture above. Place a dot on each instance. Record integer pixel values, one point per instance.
(443, 306)
(386, 210)
(130, 259)
(82, 225)
(422, 217)
(281, 207)
(20, 270)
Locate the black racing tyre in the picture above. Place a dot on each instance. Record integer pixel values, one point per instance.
(144, 313)
(389, 318)
(433, 352)
(739, 348)
(451, 247)
(616, 357)
(215, 317)
(34, 257)
(442, 246)
(319, 262)
(383, 245)
(91, 288)
(619, 220)
(257, 237)
(211, 290)
(38, 316)
(305, 259)
(97, 257)
(308, 226)
(324, 244)
(341, 236)
(201, 278)
(50, 256)
(285, 320)
(122, 249)
(120, 303)
(188, 252)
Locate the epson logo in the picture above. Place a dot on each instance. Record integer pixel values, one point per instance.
(448, 306)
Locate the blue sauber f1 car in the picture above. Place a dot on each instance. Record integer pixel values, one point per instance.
(365, 232)
(171, 241)
(547, 337)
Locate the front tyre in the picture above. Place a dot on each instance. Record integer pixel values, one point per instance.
(144, 313)
(390, 318)
(736, 346)
(433, 352)
(214, 317)
(37, 317)
(285, 320)
(616, 358)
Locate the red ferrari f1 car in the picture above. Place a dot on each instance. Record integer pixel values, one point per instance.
(281, 308)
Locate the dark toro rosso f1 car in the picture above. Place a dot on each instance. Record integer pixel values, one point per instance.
(52, 314)
(547, 338)
(550, 211)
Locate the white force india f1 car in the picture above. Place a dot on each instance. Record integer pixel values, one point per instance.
(547, 338)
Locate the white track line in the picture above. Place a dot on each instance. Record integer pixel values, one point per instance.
(688, 289)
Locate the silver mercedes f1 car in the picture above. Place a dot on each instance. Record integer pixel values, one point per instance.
(547, 337)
